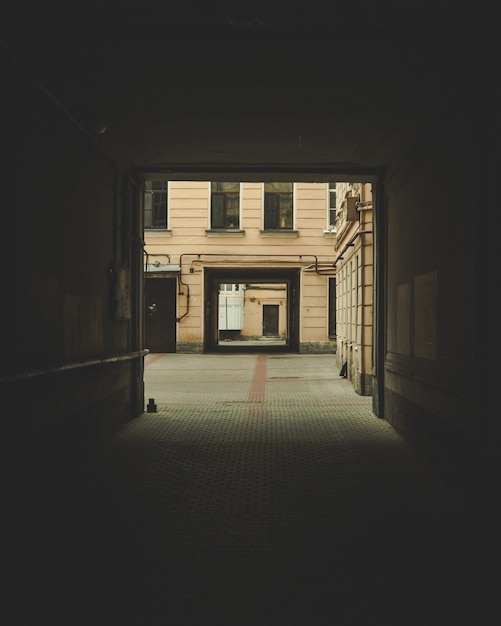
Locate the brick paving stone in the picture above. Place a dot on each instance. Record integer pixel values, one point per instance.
(263, 492)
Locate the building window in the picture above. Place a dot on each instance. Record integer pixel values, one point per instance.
(331, 225)
(332, 307)
(278, 205)
(225, 205)
(155, 204)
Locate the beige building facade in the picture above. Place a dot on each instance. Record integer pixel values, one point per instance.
(354, 253)
(239, 264)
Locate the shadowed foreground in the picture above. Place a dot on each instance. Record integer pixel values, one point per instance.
(263, 492)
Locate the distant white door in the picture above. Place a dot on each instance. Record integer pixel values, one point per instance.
(231, 307)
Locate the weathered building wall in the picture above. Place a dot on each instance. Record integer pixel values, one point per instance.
(355, 283)
(434, 295)
(71, 281)
(255, 299)
(190, 242)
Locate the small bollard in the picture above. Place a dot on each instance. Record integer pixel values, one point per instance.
(152, 407)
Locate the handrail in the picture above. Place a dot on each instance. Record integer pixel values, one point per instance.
(130, 356)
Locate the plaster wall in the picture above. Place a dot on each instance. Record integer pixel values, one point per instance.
(355, 280)
(68, 286)
(190, 243)
(433, 281)
(254, 301)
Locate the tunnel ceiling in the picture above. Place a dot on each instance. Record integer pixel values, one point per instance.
(219, 89)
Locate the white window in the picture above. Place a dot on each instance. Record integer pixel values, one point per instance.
(331, 218)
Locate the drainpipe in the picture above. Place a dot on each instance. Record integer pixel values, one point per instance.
(350, 243)
(180, 293)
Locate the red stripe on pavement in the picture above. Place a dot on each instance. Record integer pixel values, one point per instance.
(148, 361)
(256, 393)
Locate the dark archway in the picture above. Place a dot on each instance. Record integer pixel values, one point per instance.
(214, 276)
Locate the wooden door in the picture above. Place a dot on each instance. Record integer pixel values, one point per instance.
(270, 320)
(160, 314)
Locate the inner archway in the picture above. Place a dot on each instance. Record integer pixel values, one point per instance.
(236, 313)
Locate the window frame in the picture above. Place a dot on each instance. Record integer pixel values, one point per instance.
(331, 210)
(266, 212)
(332, 308)
(156, 223)
(225, 222)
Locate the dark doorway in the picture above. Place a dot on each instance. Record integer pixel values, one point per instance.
(270, 320)
(160, 314)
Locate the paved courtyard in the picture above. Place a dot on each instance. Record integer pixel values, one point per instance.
(262, 491)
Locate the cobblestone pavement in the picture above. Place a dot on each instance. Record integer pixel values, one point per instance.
(261, 492)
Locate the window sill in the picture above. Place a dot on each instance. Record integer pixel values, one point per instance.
(279, 232)
(157, 232)
(330, 234)
(224, 232)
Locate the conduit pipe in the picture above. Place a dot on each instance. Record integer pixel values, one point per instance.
(351, 243)
(242, 256)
